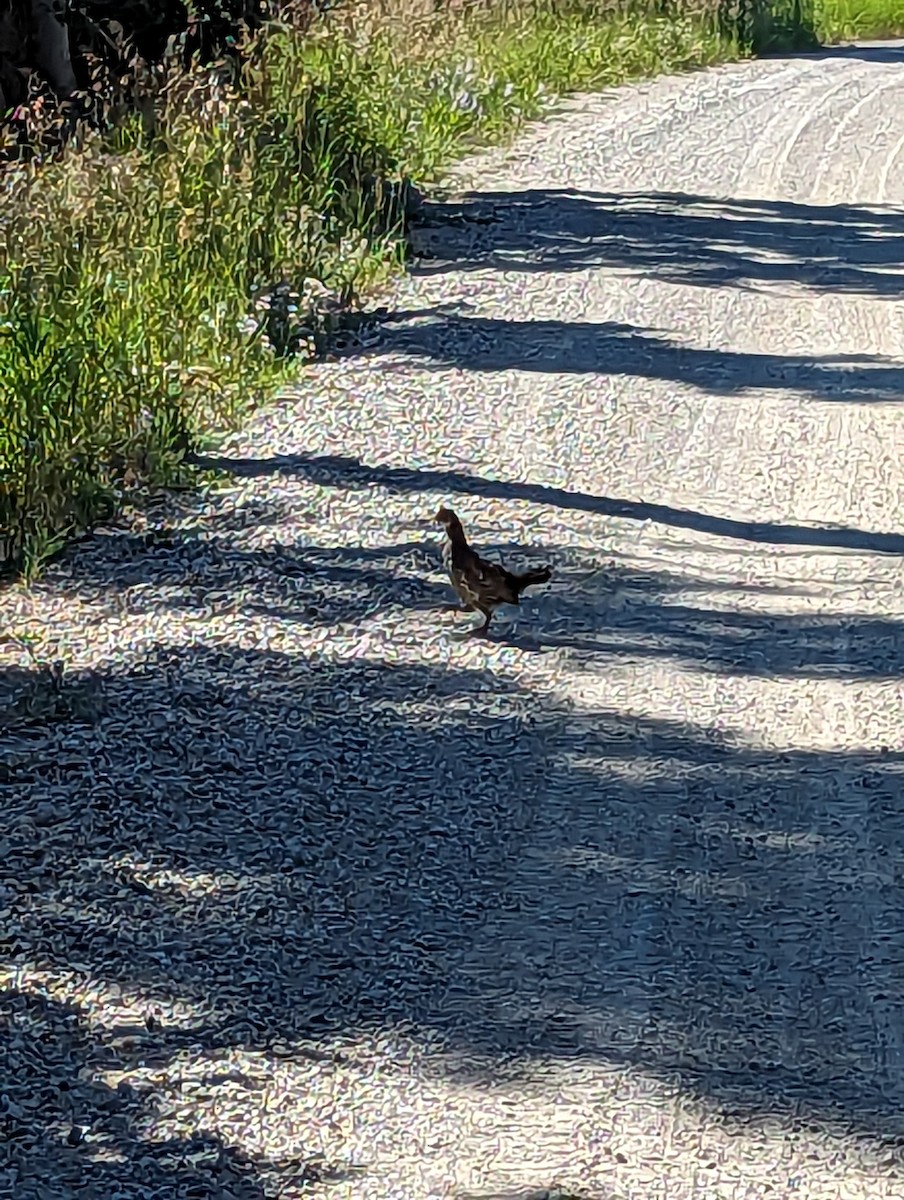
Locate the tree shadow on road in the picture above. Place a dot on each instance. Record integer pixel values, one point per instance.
(597, 609)
(345, 471)
(873, 54)
(473, 343)
(677, 237)
(624, 614)
(401, 845)
(184, 569)
(67, 1133)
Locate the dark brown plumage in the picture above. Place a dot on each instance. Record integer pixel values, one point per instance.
(481, 586)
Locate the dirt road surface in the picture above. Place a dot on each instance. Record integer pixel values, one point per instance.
(302, 896)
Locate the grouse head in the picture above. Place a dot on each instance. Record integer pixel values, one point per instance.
(446, 517)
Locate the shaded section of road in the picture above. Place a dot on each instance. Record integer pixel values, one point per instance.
(56, 1113)
(658, 618)
(347, 472)
(677, 237)
(343, 905)
(556, 347)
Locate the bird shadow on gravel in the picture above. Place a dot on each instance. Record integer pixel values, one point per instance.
(678, 237)
(271, 853)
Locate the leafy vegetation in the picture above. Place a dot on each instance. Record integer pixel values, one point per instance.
(157, 276)
(847, 20)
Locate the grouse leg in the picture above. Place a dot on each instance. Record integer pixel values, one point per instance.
(484, 629)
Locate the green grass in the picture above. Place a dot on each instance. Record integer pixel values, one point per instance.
(849, 20)
(134, 273)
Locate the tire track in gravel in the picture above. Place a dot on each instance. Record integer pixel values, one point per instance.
(611, 904)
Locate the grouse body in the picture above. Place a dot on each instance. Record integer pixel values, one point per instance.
(481, 586)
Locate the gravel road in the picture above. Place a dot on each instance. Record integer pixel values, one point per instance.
(302, 896)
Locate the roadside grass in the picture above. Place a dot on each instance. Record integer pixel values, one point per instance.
(161, 278)
(850, 20)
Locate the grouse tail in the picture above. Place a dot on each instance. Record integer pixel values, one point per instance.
(530, 578)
